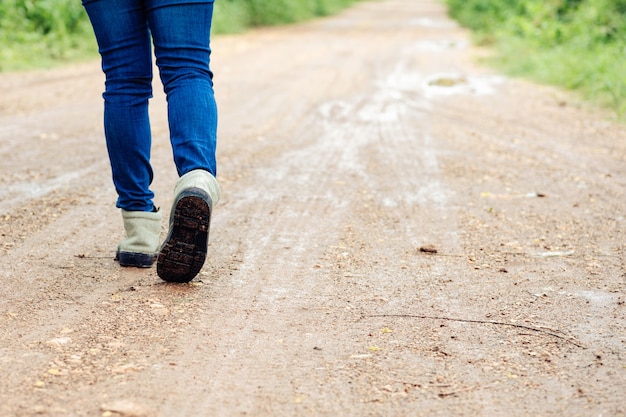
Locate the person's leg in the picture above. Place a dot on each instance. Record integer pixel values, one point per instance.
(181, 34)
(123, 37)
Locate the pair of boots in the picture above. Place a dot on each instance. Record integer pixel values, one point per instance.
(181, 256)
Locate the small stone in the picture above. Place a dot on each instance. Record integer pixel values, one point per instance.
(127, 408)
(59, 341)
(428, 249)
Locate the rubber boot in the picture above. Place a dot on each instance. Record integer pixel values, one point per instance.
(141, 244)
(184, 250)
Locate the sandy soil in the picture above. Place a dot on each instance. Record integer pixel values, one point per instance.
(402, 233)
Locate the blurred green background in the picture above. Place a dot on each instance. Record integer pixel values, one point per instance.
(576, 44)
(40, 33)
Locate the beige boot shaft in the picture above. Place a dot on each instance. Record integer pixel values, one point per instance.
(201, 179)
(143, 231)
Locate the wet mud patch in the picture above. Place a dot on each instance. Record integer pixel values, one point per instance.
(455, 84)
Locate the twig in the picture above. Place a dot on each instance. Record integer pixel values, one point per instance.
(443, 394)
(497, 323)
(93, 257)
(452, 393)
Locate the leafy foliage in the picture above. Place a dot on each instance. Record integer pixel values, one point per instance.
(234, 15)
(43, 32)
(578, 44)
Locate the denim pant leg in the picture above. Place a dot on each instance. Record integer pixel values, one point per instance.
(123, 38)
(181, 34)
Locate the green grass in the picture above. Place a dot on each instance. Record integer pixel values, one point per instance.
(576, 44)
(43, 33)
(38, 33)
(232, 16)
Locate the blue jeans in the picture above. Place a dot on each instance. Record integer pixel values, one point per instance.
(180, 31)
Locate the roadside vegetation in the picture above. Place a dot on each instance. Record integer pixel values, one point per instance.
(576, 44)
(237, 15)
(42, 33)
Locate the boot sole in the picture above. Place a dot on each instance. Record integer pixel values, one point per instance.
(184, 251)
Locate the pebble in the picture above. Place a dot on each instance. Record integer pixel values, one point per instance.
(126, 408)
(59, 341)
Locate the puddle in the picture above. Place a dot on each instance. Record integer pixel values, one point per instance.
(451, 84)
(447, 82)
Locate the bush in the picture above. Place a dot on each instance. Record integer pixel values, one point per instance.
(236, 15)
(44, 32)
(578, 44)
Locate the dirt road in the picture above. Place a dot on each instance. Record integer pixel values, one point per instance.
(402, 233)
